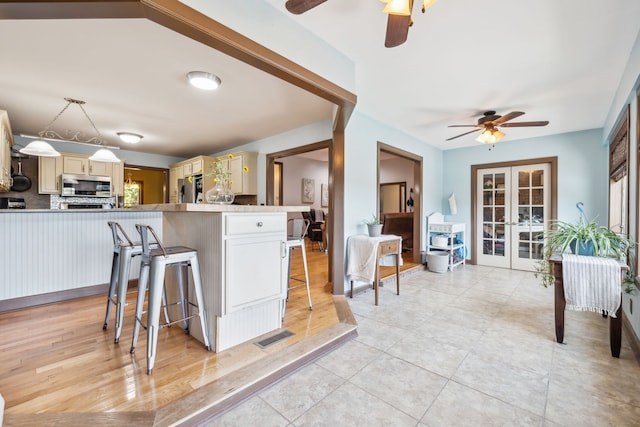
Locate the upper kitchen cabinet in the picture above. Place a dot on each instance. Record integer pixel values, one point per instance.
(242, 166)
(83, 166)
(49, 171)
(117, 178)
(51, 168)
(6, 142)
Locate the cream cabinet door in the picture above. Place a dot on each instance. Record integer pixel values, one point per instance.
(6, 142)
(75, 165)
(173, 185)
(100, 168)
(117, 178)
(49, 171)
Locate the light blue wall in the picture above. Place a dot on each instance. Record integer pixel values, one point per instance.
(582, 172)
(362, 137)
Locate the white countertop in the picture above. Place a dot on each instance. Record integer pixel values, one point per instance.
(206, 207)
(173, 207)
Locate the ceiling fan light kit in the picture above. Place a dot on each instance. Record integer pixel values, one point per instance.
(41, 148)
(397, 7)
(204, 80)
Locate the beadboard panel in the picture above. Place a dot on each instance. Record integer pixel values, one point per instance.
(53, 251)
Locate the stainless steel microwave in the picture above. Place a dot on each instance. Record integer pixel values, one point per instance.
(86, 186)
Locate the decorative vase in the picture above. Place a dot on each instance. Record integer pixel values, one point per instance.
(220, 193)
(582, 247)
(374, 229)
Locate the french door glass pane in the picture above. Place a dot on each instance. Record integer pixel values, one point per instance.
(493, 213)
(530, 213)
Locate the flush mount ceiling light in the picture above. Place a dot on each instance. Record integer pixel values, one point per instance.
(129, 137)
(204, 80)
(37, 147)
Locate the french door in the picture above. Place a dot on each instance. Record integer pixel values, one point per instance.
(512, 211)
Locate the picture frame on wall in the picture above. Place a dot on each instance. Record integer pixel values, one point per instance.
(324, 195)
(308, 190)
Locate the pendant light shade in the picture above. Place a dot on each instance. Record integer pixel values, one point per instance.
(39, 148)
(104, 155)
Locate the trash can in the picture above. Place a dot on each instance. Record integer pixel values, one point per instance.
(438, 261)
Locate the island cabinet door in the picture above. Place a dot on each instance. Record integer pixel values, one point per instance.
(255, 271)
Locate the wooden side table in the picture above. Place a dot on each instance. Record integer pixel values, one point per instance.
(382, 245)
(615, 323)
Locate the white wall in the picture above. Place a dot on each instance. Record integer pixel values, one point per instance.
(397, 169)
(296, 168)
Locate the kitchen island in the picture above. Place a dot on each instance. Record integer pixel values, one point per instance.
(243, 264)
(241, 250)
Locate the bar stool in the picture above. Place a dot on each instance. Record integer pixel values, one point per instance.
(124, 250)
(296, 240)
(152, 272)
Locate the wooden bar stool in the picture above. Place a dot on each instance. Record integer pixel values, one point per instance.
(152, 272)
(124, 250)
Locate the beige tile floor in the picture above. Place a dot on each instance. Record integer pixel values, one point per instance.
(472, 347)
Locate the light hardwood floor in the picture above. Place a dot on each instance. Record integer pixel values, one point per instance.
(60, 367)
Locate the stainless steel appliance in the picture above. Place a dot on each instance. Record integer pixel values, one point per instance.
(12, 203)
(190, 189)
(86, 185)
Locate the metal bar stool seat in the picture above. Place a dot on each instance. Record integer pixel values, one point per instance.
(124, 250)
(152, 273)
(296, 240)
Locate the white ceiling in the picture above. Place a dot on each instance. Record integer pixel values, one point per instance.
(555, 60)
(132, 75)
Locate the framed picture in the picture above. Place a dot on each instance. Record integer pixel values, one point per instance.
(308, 190)
(324, 196)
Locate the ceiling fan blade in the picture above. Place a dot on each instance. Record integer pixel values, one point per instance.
(512, 115)
(525, 124)
(462, 134)
(463, 126)
(300, 6)
(397, 30)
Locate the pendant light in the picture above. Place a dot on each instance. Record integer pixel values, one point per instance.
(41, 148)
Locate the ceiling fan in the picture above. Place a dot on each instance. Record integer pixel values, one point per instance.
(398, 23)
(489, 124)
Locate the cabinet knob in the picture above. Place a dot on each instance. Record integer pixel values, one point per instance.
(260, 224)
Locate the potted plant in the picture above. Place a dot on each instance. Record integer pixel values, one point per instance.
(374, 226)
(583, 238)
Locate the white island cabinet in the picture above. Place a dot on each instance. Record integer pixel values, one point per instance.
(243, 264)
